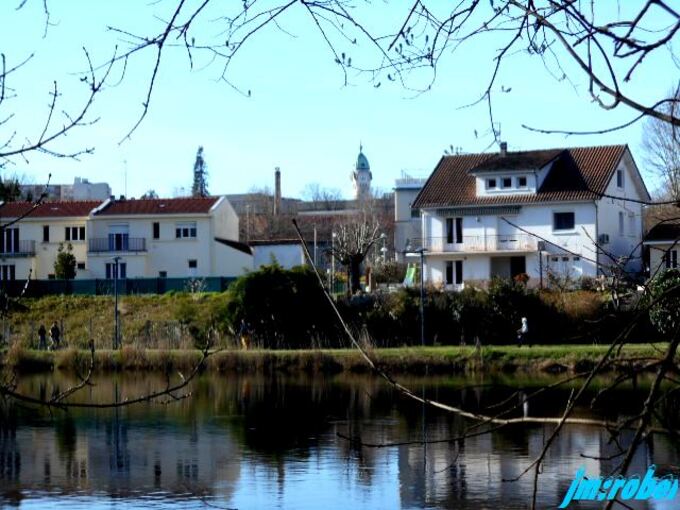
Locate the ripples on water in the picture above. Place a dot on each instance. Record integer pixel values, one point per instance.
(271, 442)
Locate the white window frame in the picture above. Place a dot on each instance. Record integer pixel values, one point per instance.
(186, 230)
(620, 178)
(563, 230)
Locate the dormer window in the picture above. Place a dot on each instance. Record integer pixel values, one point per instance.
(522, 182)
(506, 182)
(491, 184)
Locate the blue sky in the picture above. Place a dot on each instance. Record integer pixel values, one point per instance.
(299, 117)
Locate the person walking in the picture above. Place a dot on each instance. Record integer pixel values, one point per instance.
(522, 332)
(42, 338)
(55, 336)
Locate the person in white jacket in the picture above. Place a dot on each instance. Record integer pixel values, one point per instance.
(522, 332)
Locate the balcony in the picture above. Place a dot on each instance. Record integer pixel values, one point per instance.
(482, 244)
(116, 244)
(20, 249)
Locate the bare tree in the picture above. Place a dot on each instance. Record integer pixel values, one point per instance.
(328, 198)
(661, 142)
(588, 44)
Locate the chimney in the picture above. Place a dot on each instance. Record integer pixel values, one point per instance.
(504, 148)
(277, 191)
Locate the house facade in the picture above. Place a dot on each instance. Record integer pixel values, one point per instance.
(182, 237)
(562, 212)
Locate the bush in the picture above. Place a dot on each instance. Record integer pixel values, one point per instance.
(665, 301)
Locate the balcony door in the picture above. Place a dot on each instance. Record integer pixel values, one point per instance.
(9, 241)
(119, 237)
(454, 231)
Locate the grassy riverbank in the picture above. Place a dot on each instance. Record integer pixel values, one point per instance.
(434, 360)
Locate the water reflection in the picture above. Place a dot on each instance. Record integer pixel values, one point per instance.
(271, 441)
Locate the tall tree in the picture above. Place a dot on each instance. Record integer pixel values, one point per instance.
(661, 142)
(200, 186)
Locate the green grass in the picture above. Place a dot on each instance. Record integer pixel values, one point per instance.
(433, 360)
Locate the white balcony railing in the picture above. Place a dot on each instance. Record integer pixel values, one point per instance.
(509, 242)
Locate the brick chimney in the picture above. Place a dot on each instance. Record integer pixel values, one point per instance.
(504, 148)
(277, 191)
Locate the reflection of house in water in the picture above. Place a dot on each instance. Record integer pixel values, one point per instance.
(119, 457)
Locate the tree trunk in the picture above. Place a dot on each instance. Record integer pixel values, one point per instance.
(355, 273)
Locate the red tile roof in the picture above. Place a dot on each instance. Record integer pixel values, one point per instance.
(48, 209)
(160, 206)
(580, 173)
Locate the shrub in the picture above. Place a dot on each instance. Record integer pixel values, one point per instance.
(665, 301)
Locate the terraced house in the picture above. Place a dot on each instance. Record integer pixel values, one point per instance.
(561, 212)
(180, 237)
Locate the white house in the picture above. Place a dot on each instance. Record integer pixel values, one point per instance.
(559, 211)
(662, 245)
(407, 223)
(179, 237)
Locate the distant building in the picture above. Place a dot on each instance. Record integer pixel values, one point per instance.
(407, 224)
(174, 237)
(81, 189)
(661, 244)
(362, 177)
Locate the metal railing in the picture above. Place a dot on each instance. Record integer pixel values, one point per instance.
(21, 249)
(116, 244)
(508, 242)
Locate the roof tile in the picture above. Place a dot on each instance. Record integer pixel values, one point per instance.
(191, 205)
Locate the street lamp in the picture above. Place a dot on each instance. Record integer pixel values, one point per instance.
(116, 323)
(421, 252)
(383, 250)
(333, 236)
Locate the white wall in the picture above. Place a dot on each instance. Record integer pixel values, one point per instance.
(608, 217)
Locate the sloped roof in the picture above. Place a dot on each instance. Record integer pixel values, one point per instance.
(669, 231)
(48, 209)
(190, 205)
(577, 174)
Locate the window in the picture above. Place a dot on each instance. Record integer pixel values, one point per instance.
(459, 272)
(563, 221)
(454, 230)
(185, 230)
(449, 272)
(46, 233)
(522, 182)
(671, 259)
(415, 213)
(620, 178)
(111, 270)
(162, 274)
(74, 234)
(7, 272)
(507, 182)
(621, 232)
(81, 265)
(491, 184)
(193, 264)
(9, 243)
(156, 230)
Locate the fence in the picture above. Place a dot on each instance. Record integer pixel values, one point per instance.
(127, 286)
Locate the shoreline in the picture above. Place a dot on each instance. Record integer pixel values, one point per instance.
(405, 360)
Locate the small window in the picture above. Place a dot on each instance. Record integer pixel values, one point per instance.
(576, 259)
(81, 265)
(621, 220)
(564, 221)
(522, 182)
(156, 230)
(46, 233)
(162, 274)
(507, 182)
(67, 234)
(193, 264)
(565, 259)
(491, 184)
(415, 213)
(620, 179)
(554, 259)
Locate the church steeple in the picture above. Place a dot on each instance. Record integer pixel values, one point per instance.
(361, 176)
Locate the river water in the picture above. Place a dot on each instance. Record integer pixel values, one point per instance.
(274, 441)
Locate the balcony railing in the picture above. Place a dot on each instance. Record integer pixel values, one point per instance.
(480, 244)
(116, 244)
(20, 249)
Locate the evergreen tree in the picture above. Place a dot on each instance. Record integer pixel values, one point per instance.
(65, 264)
(200, 187)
